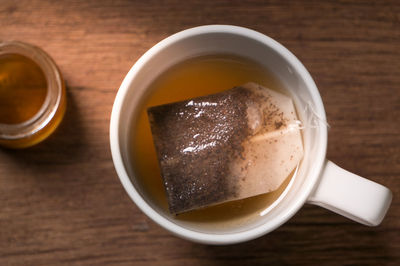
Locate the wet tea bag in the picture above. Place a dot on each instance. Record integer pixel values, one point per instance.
(226, 146)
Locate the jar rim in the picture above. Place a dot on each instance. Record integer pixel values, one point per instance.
(52, 100)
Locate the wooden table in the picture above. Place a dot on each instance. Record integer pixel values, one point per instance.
(61, 202)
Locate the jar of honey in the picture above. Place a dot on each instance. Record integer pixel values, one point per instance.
(32, 95)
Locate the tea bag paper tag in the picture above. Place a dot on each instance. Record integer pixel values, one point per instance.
(275, 147)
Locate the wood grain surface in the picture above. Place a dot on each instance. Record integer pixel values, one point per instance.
(61, 202)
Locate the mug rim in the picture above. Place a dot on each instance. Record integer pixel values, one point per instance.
(214, 238)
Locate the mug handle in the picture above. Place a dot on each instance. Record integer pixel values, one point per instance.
(350, 195)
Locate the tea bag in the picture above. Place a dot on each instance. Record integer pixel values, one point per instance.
(226, 146)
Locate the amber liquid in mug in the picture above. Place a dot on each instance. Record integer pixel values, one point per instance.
(23, 88)
(192, 78)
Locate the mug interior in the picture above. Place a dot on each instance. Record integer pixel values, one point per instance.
(243, 42)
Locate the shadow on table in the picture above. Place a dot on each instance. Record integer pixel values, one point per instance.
(65, 145)
(309, 238)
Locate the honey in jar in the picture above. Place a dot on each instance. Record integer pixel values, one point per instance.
(32, 95)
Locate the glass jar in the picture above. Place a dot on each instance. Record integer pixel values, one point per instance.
(42, 123)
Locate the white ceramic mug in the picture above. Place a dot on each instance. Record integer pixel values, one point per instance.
(318, 181)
